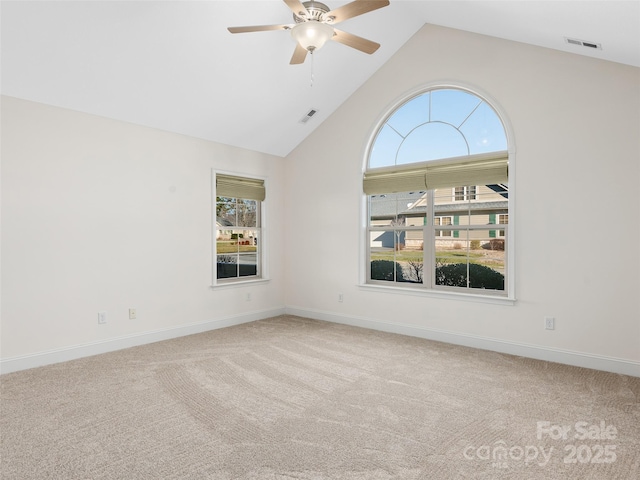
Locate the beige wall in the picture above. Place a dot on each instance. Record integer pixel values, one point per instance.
(103, 215)
(574, 123)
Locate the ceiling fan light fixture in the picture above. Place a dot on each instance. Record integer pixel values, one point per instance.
(312, 35)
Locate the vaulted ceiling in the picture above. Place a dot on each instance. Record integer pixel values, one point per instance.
(173, 65)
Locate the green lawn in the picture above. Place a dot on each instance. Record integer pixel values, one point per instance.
(232, 247)
(442, 256)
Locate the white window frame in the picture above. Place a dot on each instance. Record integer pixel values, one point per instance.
(509, 298)
(469, 192)
(262, 264)
(437, 222)
(502, 216)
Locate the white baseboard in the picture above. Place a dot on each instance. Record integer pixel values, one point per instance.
(577, 359)
(73, 352)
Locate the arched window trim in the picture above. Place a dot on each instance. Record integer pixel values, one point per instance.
(387, 112)
(405, 98)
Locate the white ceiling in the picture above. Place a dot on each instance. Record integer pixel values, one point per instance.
(174, 66)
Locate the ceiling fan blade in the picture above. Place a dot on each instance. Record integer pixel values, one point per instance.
(354, 41)
(355, 8)
(297, 8)
(258, 28)
(299, 55)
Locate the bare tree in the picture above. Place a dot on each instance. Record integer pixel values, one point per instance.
(399, 221)
(415, 270)
(247, 213)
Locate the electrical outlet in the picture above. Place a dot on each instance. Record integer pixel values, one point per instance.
(549, 323)
(132, 314)
(247, 297)
(102, 317)
(340, 298)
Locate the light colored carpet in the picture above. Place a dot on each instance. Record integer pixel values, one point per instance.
(292, 398)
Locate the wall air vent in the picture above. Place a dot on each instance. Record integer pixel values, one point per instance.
(308, 116)
(583, 43)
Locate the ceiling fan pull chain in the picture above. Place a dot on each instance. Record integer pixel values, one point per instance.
(312, 55)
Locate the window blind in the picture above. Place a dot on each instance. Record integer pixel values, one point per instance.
(239, 187)
(395, 180)
(482, 169)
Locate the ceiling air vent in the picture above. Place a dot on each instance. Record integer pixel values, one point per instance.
(583, 43)
(308, 116)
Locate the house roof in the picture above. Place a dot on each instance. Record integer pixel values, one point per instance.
(388, 206)
(223, 222)
(385, 206)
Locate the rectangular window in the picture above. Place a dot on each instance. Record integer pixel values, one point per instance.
(429, 239)
(443, 221)
(238, 228)
(461, 194)
(503, 219)
(445, 237)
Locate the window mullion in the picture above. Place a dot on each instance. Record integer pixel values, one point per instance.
(429, 244)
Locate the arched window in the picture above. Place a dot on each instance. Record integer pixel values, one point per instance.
(438, 196)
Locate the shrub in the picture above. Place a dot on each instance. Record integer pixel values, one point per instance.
(226, 266)
(455, 275)
(475, 244)
(383, 270)
(494, 244)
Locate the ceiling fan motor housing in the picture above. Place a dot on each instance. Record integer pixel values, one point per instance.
(316, 11)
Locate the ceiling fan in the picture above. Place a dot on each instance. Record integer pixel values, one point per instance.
(314, 26)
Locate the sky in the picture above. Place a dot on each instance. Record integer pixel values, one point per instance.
(442, 123)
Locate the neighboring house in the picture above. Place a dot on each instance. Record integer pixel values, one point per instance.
(223, 234)
(482, 205)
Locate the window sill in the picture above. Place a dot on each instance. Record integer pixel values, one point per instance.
(421, 292)
(239, 283)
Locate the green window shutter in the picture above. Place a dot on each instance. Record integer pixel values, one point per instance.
(456, 221)
(492, 221)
